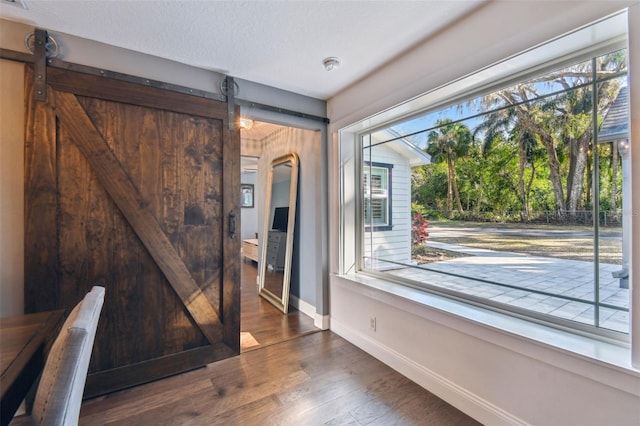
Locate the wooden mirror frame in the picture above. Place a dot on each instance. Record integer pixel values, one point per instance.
(272, 239)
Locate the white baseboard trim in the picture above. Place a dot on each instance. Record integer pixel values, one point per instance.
(320, 321)
(467, 402)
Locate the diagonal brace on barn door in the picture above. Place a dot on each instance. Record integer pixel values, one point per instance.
(126, 196)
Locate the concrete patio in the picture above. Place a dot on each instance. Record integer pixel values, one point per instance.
(493, 275)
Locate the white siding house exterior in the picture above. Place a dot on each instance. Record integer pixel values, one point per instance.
(387, 240)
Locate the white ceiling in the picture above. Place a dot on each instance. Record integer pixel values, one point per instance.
(277, 43)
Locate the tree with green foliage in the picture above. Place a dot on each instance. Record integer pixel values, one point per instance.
(447, 143)
(429, 186)
(562, 123)
(502, 127)
(533, 149)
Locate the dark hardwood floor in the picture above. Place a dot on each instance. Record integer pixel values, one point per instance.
(294, 376)
(261, 323)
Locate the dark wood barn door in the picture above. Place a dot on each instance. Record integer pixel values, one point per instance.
(133, 188)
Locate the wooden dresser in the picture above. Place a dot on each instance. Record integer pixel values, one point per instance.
(276, 249)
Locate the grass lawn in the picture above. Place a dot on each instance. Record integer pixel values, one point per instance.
(565, 242)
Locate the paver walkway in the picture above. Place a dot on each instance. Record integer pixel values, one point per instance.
(515, 279)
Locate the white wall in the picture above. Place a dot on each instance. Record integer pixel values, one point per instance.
(11, 188)
(495, 376)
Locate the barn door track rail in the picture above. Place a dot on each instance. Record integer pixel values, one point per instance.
(44, 50)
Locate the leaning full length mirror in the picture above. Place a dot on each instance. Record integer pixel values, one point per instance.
(278, 231)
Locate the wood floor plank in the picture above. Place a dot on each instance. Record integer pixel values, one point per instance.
(120, 400)
(371, 410)
(231, 399)
(252, 413)
(344, 419)
(179, 412)
(154, 401)
(421, 410)
(322, 389)
(325, 412)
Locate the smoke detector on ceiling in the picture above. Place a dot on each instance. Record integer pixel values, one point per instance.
(331, 63)
(18, 3)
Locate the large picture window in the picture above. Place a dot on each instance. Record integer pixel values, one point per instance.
(521, 207)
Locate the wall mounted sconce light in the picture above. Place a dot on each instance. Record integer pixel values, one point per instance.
(246, 123)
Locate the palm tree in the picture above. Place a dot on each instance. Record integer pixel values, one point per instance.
(504, 125)
(449, 142)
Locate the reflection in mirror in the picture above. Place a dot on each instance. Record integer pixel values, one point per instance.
(278, 231)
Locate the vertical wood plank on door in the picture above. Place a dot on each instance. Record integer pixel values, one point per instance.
(80, 209)
(201, 233)
(40, 201)
(231, 244)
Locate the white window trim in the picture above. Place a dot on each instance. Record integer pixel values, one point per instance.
(619, 356)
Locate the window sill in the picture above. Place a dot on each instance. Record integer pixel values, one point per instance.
(605, 362)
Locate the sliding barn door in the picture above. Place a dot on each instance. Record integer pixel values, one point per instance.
(134, 188)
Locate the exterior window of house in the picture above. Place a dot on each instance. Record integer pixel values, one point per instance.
(377, 196)
(521, 205)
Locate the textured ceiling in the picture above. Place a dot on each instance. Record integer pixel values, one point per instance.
(277, 43)
(258, 131)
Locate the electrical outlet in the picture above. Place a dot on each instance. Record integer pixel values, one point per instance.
(372, 323)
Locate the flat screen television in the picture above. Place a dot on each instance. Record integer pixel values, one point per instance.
(280, 219)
